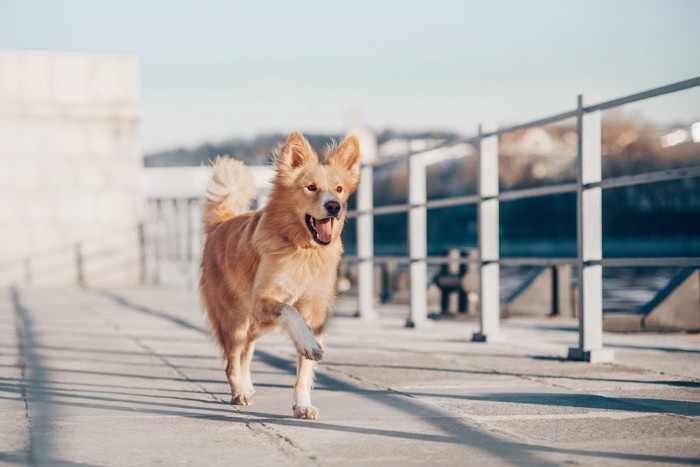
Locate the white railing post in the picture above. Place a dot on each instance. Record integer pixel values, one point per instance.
(489, 271)
(365, 244)
(365, 218)
(589, 238)
(417, 243)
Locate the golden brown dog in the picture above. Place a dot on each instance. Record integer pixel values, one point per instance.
(276, 268)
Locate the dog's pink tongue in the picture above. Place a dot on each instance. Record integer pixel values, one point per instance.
(324, 227)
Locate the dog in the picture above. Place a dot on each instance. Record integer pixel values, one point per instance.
(276, 268)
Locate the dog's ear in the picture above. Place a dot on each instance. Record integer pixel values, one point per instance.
(296, 152)
(347, 155)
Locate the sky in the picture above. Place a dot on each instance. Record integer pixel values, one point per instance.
(219, 69)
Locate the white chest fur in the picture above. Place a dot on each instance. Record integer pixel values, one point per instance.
(291, 288)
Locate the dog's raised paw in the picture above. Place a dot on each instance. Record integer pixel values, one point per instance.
(313, 353)
(306, 412)
(242, 399)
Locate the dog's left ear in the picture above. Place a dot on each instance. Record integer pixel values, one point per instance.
(296, 152)
(347, 155)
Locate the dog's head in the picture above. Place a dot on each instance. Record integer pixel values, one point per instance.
(314, 192)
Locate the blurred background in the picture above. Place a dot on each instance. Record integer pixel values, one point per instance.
(109, 112)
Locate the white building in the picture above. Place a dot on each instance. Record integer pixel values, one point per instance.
(69, 167)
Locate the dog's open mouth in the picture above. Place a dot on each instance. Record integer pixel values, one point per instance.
(321, 229)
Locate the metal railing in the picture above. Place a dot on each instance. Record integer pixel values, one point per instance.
(588, 187)
(163, 250)
(113, 256)
(174, 241)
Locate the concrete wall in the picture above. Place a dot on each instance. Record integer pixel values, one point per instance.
(69, 167)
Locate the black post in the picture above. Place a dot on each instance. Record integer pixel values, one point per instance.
(555, 292)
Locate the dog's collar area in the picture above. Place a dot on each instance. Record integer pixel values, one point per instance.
(312, 223)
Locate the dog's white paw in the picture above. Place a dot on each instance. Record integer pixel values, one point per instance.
(308, 412)
(242, 399)
(313, 352)
(301, 334)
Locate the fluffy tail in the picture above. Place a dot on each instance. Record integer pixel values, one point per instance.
(229, 193)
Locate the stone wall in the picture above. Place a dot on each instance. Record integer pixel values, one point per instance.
(69, 168)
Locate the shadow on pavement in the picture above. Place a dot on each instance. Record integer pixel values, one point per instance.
(455, 430)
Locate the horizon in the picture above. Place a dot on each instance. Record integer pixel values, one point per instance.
(215, 71)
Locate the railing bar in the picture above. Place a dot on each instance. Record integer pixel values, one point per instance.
(449, 202)
(536, 261)
(652, 177)
(387, 259)
(538, 122)
(546, 261)
(537, 191)
(680, 86)
(616, 182)
(381, 210)
(65, 248)
(447, 260)
(670, 88)
(391, 209)
(473, 199)
(670, 262)
(407, 259)
(445, 144)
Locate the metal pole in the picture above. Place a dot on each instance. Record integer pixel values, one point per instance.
(417, 243)
(176, 238)
(142, 253)
(489, 270)
(190, 230)
(365, 244)
(80, 276)
(590, 238)
(157, 238)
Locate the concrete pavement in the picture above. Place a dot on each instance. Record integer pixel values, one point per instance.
(129, 376)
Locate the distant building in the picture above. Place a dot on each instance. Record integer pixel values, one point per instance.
(69, 167)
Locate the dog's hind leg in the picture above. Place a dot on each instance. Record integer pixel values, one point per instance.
(302, 388)
(241, 390)
(246, 358)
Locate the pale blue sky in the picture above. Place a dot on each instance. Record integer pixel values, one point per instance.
(219, 69)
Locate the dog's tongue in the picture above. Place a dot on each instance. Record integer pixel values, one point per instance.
(324, 227)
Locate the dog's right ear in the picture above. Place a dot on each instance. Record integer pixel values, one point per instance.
(296, 152)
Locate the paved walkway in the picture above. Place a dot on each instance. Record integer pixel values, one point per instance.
(129, 376)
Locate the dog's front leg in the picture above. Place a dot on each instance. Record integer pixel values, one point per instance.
(302, 389)
(303, 338)
(289, 319)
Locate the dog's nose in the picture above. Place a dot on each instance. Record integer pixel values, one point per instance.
(333, 207)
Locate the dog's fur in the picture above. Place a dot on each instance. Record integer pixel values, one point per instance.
(266, 270)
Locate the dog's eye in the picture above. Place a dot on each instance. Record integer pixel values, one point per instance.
(311, 187)
(339, 189)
